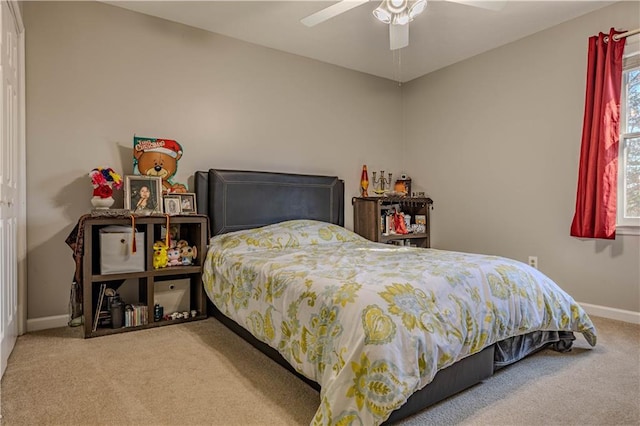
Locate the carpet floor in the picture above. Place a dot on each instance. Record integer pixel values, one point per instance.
(201, 373)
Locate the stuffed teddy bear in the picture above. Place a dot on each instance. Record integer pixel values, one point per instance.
(160, 259)
(158, 157)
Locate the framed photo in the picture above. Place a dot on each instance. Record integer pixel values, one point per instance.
(143, 194)
(172, 205)
(188, 203)
(174, 232)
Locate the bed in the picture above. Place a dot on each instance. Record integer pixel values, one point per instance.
(381, 331)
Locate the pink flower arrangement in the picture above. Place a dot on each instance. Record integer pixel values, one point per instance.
(103, 179)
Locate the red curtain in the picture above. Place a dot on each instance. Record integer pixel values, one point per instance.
(595, 215)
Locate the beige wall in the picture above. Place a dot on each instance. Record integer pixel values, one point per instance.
(495, 140)
(97, 74)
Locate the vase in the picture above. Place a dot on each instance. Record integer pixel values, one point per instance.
(102, 203)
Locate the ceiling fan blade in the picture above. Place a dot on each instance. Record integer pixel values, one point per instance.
(490, 5)
(398, 36)
(331, 11)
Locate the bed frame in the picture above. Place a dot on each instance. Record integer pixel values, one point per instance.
(236, 200)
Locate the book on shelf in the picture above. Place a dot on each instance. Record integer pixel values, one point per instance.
(136, 314)
(103, 287)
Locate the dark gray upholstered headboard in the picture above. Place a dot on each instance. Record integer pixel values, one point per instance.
(236, 200)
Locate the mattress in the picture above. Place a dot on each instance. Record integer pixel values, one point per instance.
(373, 323)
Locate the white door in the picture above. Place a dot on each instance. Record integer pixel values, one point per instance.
(10, 168)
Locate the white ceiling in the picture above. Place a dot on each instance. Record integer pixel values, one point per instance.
(445, 33)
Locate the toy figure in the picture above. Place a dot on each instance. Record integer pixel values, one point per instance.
(160, 259)
(181, 243)
(173, 255)
(188, 254)
(399, 224)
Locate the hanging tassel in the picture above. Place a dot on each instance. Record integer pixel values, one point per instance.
(168, 236)
(133, 232)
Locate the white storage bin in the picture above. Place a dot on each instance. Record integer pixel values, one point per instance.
(173, 295)
(115, 250)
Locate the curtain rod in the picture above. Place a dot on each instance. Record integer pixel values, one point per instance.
(627, 34)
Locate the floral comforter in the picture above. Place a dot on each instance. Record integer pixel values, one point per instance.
(373, 323)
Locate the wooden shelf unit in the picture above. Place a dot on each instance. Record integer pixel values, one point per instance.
(367, 214)
(194, 229)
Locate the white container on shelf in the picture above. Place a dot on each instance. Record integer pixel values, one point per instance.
(173, 295)
(116, 250)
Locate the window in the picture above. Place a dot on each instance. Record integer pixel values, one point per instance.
(629, 157)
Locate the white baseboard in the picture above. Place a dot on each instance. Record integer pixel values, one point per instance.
(611, 313)
(44, 323)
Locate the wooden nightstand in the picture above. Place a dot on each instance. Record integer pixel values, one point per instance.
(368, 218)
(193, 229)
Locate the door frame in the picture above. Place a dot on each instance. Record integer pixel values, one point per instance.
(22, 173)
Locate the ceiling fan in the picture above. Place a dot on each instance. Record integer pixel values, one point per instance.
(396, 13)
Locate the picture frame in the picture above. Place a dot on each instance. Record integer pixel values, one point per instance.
(143, 194)
(172, 205)
(174, 232)
(188, 203)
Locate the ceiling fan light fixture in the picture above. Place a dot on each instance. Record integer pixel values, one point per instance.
(401, 18)
(398, 12)
(382, 14)
(417, 8)
(396, 6)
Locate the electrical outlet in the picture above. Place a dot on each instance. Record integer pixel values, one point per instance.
(533, 261)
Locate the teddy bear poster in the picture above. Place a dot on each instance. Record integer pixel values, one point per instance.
(158, 157)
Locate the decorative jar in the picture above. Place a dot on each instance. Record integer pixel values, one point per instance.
(102, 203)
